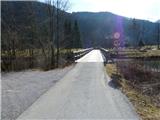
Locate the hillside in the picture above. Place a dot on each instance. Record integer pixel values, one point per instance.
(96, 27)
(27, 19)
(33, 34)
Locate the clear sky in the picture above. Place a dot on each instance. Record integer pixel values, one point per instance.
(141, 9)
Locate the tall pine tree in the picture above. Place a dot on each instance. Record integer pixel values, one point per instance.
(68, 40)
(77, 43)
(72, 37)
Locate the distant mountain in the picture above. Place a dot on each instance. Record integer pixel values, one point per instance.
(96, 27)
(21, 10)
(158, 21)
(19, 14)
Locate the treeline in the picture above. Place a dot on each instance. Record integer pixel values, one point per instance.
(37, 35)
(72, 35)
(97, 29)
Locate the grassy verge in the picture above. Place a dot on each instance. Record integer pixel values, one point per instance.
(146, 109)
(35, 59)
(36, 52)
(137, 53)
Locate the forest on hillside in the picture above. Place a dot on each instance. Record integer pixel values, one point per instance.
(44, 34)
(36, 34)
(97, 29)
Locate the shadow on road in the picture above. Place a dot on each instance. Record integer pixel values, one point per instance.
(115, 81)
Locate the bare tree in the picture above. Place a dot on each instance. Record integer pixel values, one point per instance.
(32, 31)
(57, 29)
(55, 8)
(11, 30)
(51, 14)
(61, 5)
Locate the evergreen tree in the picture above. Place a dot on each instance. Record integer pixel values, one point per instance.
(136, 31)
(141, 43)
(77, 37)
(68, 40)
(158, 35)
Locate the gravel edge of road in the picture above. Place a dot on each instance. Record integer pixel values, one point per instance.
(16, 99)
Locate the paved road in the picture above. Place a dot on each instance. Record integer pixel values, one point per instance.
(84, 93)
(93, 56)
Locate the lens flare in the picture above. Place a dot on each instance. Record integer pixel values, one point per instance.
(119, 31)
(117, 35)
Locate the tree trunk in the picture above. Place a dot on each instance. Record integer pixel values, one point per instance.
(57, 36)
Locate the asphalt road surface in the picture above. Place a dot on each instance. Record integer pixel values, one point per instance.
(84, 93)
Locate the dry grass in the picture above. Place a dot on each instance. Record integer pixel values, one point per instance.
(137, 53)
(111, 69)
(36, 52)
(143, 105)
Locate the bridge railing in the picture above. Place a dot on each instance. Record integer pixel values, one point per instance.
(106, 55)
(81, 53)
